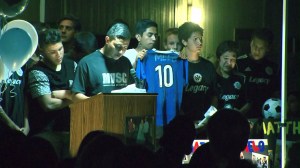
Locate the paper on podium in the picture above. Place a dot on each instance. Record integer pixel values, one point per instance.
(129, 89)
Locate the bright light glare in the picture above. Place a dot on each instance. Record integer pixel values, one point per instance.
(196, 15)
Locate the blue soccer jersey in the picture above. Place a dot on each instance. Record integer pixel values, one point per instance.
(165, 75)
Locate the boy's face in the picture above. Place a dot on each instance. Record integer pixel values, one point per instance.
(259, 48)
(116, 47)
(53, 53)
(148, 38)
(194, 42)
(227, 61)
(173, 43)
(67, 30)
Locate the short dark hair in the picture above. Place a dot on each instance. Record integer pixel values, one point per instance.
(228, 129)
(119, 30)
(226, 46)
(143, 24)
(49, 36)
(180, 129)
(170, 31)
(264, 34)
(187, 29)
(74, 19)
(116, 21)
(85, 42)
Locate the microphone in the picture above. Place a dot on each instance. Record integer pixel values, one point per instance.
(138, 82)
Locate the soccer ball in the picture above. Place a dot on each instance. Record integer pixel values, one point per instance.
(272, 108)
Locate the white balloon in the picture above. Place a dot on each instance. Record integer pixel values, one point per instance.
(4, 71)
(26, 26)
(1, 70)
(15, 61)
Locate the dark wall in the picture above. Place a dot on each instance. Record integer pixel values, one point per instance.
(96, 15)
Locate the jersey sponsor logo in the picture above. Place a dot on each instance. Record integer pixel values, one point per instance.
(197, 77)
(196, 88)
(237, 85)
(229, 97)
(269, 70)
(259, 80)
(114, 79)
(11, 84)
(164, 58)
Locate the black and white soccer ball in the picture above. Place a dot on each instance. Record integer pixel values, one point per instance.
(272, 108)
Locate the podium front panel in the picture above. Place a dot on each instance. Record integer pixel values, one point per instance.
(107, 112)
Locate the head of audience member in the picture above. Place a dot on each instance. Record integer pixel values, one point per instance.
(146, 34)
(171, 41)
(12, 148)
(101, 151)
(176, 141)
(203, 160)
(84, 44)
(40, 153)
(51, 48)
(226, 54)
(88, 138)
(228, 130)
(116, 41)
(68, 25)
(134, 156)
(190, 36)
(180, 132)
(260, 43)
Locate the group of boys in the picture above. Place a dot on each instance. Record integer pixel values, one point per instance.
(55, 82)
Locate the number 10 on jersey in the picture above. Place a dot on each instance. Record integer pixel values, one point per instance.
(165, 75)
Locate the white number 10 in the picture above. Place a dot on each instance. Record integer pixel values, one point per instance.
(165, 78)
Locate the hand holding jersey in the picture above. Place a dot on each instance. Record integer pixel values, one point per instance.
(141, 54)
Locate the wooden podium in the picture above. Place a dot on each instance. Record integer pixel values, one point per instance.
(107, 112)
